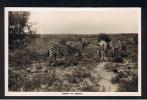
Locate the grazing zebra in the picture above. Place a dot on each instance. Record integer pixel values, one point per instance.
(118, 48)
(60, 50)
(112, 53)
(77, 46)
(65, 49)
(124, 46)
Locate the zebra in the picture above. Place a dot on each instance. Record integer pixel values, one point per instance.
(118, 48)
(124, 46)
(66, 49)
(77, 46)
(57, 50)
(112, 53)
(60, 50)
(102, 49)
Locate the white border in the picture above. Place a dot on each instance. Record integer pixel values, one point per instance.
(7, 93)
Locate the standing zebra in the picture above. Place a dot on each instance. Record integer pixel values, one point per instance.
(112, 53)
(65, 50)
(124, 46)
(77, 46)
(60, 50)
(56, 50)
(103, 48)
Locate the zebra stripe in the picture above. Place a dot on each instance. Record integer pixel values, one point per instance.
(70, 48)
(54, 50)
(77, 46)
(60, 50)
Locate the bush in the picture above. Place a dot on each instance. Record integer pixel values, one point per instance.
(88, 88)
(78, 75)
(21, 32)
(104, 37)
(37, 80)
(15, 81)
(118, 59)
(22, 57)
(129, 85)
(109, 67)
(118, 77)
(126, 82)
(124, 55)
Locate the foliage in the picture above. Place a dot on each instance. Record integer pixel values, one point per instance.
(74, 74)
(16, 80)
(78, 74)
(129, 85)
(127, 81)
(118, 59)
(104, 37)
(18, 28)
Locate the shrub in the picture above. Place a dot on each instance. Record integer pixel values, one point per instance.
(61, 86)
(129, 85)
(21, 32)
(15, 81)
(35, 82)
(118, 59)
(124, 55)
(21, 57)
(104, 37)
(88, 88)
(126, 82)
(109, 67)
(78, 75)
(35, 52)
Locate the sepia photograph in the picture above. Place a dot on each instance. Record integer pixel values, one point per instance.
(72, 51)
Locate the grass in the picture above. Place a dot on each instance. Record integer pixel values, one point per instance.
(28, 67)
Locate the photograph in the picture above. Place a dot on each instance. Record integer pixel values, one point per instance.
(54, 51)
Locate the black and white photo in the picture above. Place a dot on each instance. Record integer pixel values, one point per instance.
(72, 51)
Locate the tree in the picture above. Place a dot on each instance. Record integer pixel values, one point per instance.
(18, 20)
(19, 28)
(104, 37)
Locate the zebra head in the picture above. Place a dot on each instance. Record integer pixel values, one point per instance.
(75, 46)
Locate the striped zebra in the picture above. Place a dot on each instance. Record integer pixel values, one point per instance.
(102, 49)
(124, 46)
(77, 46)
(59, 50)
(65, 50)
(118, 48)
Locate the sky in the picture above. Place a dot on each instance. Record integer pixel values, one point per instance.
(86, 21)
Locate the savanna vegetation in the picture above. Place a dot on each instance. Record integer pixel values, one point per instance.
(29, 68)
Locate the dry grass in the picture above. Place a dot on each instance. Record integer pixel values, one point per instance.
(29, 69)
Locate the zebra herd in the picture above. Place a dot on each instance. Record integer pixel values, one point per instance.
(111, 49)
(65, 50)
